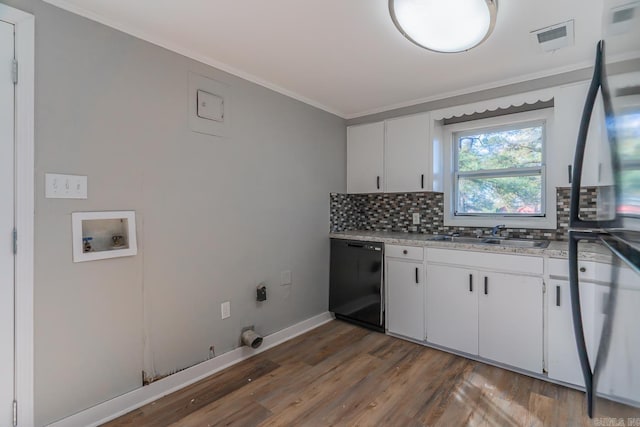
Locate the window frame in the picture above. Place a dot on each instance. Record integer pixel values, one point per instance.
(500, 173)
(548, 202)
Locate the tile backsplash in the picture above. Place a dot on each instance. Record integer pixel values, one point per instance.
(394, 211)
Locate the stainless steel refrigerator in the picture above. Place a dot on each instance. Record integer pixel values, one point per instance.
(608, 343)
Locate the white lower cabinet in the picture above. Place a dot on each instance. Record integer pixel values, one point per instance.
(452, 308)
(405, 283)
(498, 316)
(620, 371)
(563, 363)
(510, 320)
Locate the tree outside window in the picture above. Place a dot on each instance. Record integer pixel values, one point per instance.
(499, 171)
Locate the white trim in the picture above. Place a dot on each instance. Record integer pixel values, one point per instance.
(189, 53)
(121, 405)
(24, 173)
(473, 89)
(516, 100)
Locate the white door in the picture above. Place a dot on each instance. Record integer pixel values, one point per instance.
(405, 298)
(365, 158)
(6, 225)
(510, 320)
(452, 308)
(406, 154)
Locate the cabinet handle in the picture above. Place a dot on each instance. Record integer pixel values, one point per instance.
(599, 172)
(583, 269)
(422, 181)
(378, 182)
(417, 276)
(558, 296)
(570, 174)
(486, 285)
(405, 251)
(471, 283)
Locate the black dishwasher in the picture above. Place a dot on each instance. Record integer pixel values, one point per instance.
(356, 282)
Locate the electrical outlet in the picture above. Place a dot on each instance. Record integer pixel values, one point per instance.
(225, 309)
(416, 218)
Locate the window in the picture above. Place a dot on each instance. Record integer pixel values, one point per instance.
(502, 170)
(499, 171)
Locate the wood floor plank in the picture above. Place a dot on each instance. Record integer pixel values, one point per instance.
(342, 375)
(298, 407)
(177, 405)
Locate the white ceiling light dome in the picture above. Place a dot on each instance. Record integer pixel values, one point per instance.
(445, 25)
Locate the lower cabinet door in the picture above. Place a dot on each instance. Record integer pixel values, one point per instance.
(510, 320)
(619, 366)
(405, 298)
(452, 308)
(563, 363)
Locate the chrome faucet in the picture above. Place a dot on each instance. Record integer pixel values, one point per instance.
(495, 230)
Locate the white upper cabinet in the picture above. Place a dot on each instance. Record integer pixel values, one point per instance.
(568, 105)
(390, 156)
(365, 158)
(407, 155)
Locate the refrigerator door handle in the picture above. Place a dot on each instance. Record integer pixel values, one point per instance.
(576, 178)
(576, 315)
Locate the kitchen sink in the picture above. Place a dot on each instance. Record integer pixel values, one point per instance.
(497, 241)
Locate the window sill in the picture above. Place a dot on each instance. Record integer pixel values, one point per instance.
(548, 222)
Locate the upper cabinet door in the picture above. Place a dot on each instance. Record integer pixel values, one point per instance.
(407, 154)
(596, 169)
(365, 154)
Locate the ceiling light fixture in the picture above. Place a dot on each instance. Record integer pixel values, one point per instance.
(445, 25)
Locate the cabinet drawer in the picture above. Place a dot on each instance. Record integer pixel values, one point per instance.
(487, 261)
(587, 270)
(405, 252)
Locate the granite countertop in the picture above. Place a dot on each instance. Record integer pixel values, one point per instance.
(556, 249)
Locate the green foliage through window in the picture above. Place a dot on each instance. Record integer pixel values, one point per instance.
(499, 171)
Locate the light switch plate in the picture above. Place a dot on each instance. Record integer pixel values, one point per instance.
(286, 277)
(58, 186)
(225, 309)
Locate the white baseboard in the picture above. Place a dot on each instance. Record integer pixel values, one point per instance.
(121, 405)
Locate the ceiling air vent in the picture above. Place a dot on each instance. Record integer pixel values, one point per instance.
(554, 37)
(621, 19)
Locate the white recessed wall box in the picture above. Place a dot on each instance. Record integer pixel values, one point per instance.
(101, 235)
(209, 106)
(554, 37)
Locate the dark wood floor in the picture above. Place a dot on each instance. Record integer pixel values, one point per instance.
(340, 374)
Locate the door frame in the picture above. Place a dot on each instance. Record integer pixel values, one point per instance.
(24, 24)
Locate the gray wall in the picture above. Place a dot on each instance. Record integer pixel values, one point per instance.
(215, 216)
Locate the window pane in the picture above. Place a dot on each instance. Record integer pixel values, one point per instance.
(505, 195)
(500, 149)
(629, 154)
